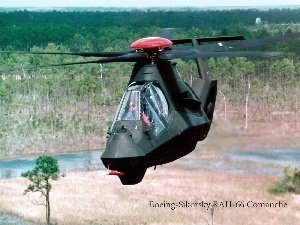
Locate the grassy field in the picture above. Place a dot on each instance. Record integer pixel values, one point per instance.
(94, 198)
(172, 194)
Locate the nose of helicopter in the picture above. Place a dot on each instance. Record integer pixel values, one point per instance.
(124, 158)
(122, 152)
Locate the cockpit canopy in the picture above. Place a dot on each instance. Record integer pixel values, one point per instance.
(145, 102)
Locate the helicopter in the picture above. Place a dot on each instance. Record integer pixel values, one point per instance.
(161, 118)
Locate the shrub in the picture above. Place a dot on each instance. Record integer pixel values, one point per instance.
(289, 183)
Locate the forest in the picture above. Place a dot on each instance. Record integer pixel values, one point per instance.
(70, 108)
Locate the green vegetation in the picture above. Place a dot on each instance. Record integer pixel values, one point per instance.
(289, 183)
(25, 29)
(59, 108)
(46, 169)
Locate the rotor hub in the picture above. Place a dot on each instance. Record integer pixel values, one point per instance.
(151, 43)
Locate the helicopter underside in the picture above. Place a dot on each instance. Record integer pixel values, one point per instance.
(181, 145)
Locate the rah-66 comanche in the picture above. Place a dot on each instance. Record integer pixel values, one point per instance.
(161, 118)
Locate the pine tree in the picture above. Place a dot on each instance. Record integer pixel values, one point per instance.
(46, 169)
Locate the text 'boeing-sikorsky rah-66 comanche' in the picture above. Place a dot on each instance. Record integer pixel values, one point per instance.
(161, 118)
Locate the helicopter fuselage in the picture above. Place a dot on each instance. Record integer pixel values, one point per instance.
(160, 119)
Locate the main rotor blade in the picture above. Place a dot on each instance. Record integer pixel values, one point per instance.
(262, 41)
(174, 54)
(208, 39)
(221, 46)
(131, 57)
(84, 54)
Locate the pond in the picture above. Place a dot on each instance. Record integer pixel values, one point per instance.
(75, 161)
(269, 162)
(284, 157)
(264, 162)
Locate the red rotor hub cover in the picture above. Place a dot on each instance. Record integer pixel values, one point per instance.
(151, 42)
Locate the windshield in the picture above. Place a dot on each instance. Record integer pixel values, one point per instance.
(154, 96)
(130, 104)
(144, 102)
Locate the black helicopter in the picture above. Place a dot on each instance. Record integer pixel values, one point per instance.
(161, 118)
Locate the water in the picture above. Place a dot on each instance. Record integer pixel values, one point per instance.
(77, 161)
(12, 220)
(261, 162)
(270, 162)
(284, 157)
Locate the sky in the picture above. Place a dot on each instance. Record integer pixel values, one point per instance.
(139, 3)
